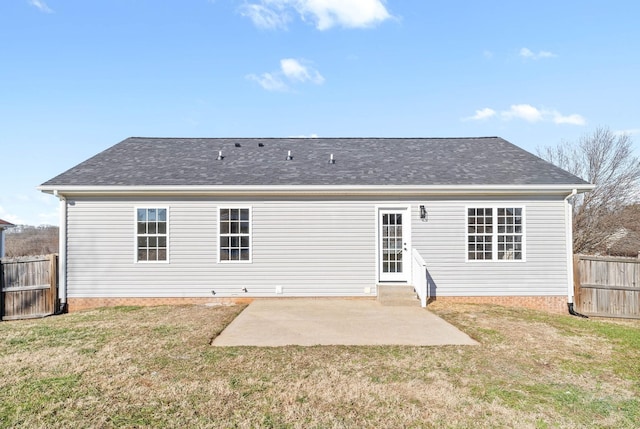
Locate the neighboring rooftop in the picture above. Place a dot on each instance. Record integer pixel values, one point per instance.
(139, 161)
(5, 224)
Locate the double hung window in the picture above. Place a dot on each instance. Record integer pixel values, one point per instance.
(495, 233)
(151, 234)
(235, 234)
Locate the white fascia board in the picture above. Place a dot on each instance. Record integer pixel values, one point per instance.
(242, 190)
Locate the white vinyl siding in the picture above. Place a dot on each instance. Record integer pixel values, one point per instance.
(442, 242)
(307, 248)
(303, 247)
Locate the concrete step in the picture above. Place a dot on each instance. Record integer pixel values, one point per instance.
(400, 296)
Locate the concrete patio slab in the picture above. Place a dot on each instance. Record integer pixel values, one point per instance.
(308, 322)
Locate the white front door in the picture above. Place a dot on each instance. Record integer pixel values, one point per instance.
(394, 245)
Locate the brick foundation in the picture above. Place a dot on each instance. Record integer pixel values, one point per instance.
(77, 304)
(552, 304)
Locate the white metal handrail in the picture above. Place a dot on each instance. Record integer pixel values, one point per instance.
(419, 277)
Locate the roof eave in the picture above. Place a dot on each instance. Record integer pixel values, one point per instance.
(292, 190)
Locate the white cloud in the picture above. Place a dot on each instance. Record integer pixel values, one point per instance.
(269, 81)
(41, 5)
(264, 17)
(10, 217)
(291, 71)
(487, 54)
(50, 218)
(573, 119)
(324, 13)
(528, 113)
(295, 71)
(529, 54)
(523, 111)
(346, 13)
(629, 132)
(481, 114)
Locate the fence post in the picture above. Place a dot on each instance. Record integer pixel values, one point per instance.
(53, 282)
(577, 301)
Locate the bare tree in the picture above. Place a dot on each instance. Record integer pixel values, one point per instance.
(605, 159)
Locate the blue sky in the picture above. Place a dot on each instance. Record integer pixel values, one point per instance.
(78, 76)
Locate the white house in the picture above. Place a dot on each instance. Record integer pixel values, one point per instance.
(187, 220)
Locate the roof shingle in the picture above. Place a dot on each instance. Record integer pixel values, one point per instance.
(139, 161)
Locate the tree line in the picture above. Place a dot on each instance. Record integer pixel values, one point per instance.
(25, 240)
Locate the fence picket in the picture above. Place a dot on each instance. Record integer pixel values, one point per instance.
(607, 286)
(28, 287)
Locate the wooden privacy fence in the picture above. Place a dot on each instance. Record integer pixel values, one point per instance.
(29, 287)
(607, 286)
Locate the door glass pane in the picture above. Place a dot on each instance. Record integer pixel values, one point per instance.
(391, 243)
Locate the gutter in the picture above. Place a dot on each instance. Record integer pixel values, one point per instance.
(62, 251)
(568, 217)
(306, 190)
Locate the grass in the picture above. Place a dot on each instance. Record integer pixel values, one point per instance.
(129, 367)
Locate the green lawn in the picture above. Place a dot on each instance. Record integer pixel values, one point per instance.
(154, 367)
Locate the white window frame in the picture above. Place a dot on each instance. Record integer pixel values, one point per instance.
(495, 234)
(136, 235)
(219, 234)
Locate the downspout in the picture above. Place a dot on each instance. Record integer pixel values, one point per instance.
(568, 217)
(62, 258)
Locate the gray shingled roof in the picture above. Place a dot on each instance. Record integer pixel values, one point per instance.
(140, 161)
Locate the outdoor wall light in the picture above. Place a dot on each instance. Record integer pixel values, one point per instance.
(423, 213)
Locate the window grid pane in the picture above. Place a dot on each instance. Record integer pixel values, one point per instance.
(510, 233)
(495, 233)
(151, 240)
(480, 230)
(392, 243)
(235, 233)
